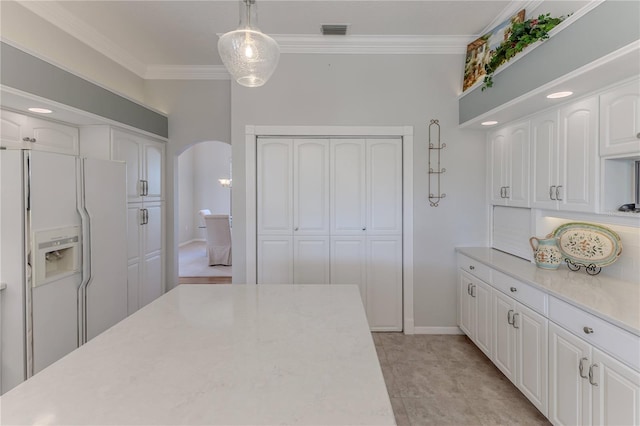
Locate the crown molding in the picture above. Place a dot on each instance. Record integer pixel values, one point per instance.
(187, 72)
(384, 45)
(55, 14)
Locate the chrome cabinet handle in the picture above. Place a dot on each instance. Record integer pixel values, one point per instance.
(142, 216)
(502, 192)
(558, 193)
(506, 191)
(28, 139)
(473, 293)
(551, 191)
(514, 320)
(141, 187)
(513, 289)
(581, 368)
(510, 317)
(146, 187)
(469, 289)
(591, 374)
(587, 330)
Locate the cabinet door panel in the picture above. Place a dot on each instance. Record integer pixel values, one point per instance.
(348, 262)
(13, 129)
(384, 187)
(620, 120)
(311, 260)
(275, 260)
(384, 283)
(153, 229)
(504, 338)
(54, 137)
(151, 285)
(348, 187)
(466, 307)
(544, 150)
(518, 166)
(154, 165)
(532, 356)
(311, 186)
(133, 288)
(497, 147)
(578, 160)
(483, 315)
(134, 218)
(125, 147)
(616, 398)
(569, 394)
(275, 188)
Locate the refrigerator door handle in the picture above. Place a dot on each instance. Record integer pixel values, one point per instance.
(85, 221)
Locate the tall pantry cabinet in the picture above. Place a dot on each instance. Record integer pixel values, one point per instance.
(330, 212)
(145, 159)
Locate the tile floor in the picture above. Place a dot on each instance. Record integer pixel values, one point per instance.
(447, 380)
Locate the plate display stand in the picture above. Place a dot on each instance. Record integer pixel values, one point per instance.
(435, 149)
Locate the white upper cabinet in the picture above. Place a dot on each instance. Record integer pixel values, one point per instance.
(564, 161)
(620, 120)
(509, 168)
(544, 160)
(578, 161)
(348, 187)
(22, 131)
(145, 165)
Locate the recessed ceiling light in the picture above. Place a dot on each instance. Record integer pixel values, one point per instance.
(41, 110)
(558, 95)
(489, 123)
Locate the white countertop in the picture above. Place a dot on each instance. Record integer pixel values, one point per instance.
(219, 354)
(611, 299)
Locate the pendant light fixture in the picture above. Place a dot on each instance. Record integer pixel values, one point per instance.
(249, 55)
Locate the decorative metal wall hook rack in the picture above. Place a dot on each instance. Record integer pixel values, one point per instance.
(435, 150)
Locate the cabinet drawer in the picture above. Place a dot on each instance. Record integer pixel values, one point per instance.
(612, 339)
(474, 267)
(524, 293)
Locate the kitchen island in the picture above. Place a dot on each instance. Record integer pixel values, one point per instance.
(219, 354)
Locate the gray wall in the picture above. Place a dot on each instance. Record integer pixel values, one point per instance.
(382, 90)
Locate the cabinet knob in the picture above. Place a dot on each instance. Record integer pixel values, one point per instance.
(513, 289)
(296, 228)
(587, 330)
(364, 228)
(28, 139)
(638, 136)
(472, 267)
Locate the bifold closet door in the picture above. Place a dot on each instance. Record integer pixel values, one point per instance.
(275, 260)
(311, 260)
(275, 186)
(311, 187)
(384, 283)
(348, 187)
(348, 262)
(384, 186)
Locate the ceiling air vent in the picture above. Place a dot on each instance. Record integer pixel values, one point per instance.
(334, 29)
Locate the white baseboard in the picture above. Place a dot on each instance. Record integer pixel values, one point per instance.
(191, 241)
(437, 330)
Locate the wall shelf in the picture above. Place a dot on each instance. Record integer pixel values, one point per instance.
(434, 173)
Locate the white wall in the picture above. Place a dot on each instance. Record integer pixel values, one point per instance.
(186, 185)
(382, 90)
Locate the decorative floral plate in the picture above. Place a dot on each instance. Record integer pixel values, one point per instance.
(586, 244)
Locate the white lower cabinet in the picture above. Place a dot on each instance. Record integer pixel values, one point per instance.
(520, 347)
(145, 249)
(587, 386)
(475, 311)
(311, 260)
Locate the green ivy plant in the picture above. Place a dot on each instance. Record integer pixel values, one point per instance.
(522, 35)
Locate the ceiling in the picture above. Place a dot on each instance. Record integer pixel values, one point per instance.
(143, 35)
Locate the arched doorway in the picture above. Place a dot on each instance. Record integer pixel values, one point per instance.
(203, 183)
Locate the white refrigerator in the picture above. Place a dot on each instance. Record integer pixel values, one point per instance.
(63, 245)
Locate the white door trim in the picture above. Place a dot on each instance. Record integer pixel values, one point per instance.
(405, 132)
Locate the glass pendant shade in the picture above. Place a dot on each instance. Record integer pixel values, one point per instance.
(249, 55)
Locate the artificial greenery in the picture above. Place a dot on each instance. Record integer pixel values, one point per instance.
(522, 35)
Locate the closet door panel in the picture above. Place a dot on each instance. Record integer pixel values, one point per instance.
(275, 189)
(275, 260)
(311, 186)
(384, 187)
(347, 187)
(311, 260)
(348, 262)
(384, 283)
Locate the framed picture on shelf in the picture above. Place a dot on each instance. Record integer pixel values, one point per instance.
(479, 51)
